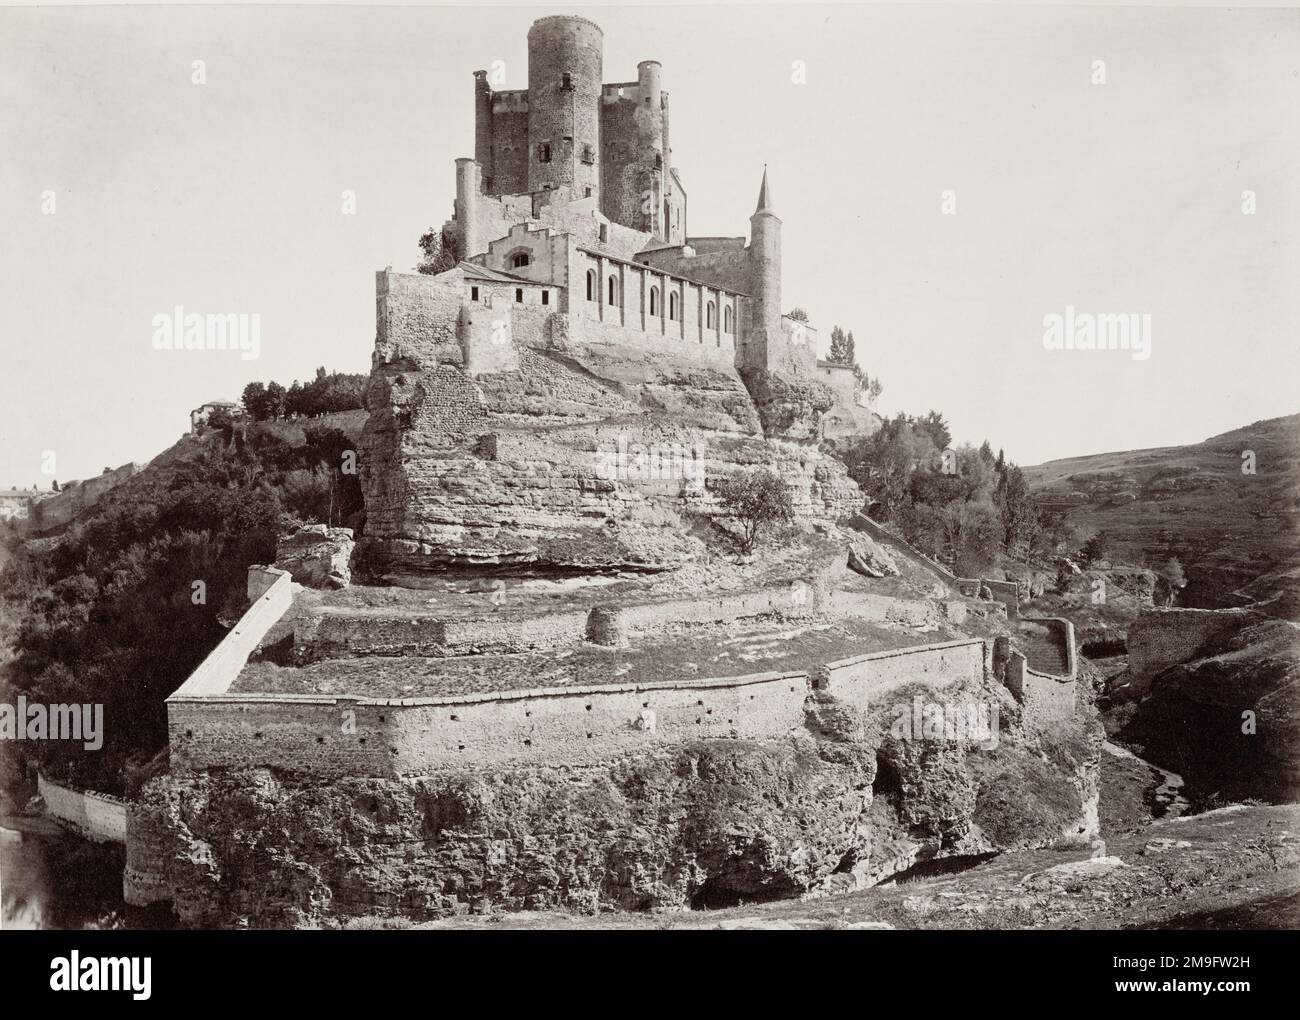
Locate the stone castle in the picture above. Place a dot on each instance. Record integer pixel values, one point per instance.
(572, 187)
(582, 315)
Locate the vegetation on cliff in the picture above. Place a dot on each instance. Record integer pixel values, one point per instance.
(129, 600)
(964, 506)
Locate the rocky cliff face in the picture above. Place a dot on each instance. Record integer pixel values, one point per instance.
(585, 457)
(703, 824)
(1213, 696)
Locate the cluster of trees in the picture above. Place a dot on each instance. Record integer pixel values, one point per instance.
(965, 506)
(842, 352)
(440, 250)
(328, 392)
(130, 601)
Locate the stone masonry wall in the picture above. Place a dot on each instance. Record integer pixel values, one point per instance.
(1161, 638)
(331, 736)
(96, 816)
(59, 510)
(218, 671)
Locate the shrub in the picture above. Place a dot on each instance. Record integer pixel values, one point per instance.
(757, 499)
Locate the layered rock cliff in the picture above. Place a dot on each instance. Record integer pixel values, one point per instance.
(575, 455)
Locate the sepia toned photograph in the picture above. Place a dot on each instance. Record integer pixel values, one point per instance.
(646, 468)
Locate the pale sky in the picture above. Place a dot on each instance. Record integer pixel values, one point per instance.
(1123, 197)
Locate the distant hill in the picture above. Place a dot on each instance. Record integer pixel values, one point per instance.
(1193, 502)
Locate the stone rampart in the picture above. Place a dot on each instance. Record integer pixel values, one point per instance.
(337, 735)
(96, 816)
(332, 736)
(865, 678)
(1044, 696)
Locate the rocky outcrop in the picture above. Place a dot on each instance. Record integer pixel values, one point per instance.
(1221, 704)
(790, 408)
(868, 558)
(317, 556)
(589, 457)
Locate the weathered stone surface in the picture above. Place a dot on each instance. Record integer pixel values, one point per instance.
(595, 457)
(317, 556)
(1072, 874)
(869, 558)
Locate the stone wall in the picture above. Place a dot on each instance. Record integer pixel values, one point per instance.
(1044, 697)
(60, 509)
(680, 319)
(337, 735)
(1160, 638)
(334, 736)
(96, 816)
(218, 671)
(414, 317)
(861, 678)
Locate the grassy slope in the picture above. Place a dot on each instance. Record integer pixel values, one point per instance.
(1194, 502)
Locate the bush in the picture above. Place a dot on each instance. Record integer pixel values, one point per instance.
(757, 499)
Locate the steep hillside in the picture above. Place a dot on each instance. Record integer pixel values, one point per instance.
(1198, 503)
(125, 600)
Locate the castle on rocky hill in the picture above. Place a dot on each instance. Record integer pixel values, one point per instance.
(582, 317)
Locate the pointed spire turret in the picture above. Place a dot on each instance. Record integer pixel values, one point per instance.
(764, 198)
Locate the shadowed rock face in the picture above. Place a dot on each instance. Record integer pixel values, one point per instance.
(587, 458)
(1224, 708)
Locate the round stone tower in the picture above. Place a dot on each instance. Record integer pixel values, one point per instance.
(764, 273)
(564, 72)
(652, 148)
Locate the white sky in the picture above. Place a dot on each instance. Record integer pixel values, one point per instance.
(1123, 197)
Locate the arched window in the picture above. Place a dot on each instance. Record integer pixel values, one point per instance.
(726, 320)
(672, 306)
(519, 259)
(613, 290)
(708, 316)
(591, 285)
(654, 300)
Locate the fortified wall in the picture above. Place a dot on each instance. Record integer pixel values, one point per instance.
(74, 498)
(1045, 695)
(96, 816)
(338, 735)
